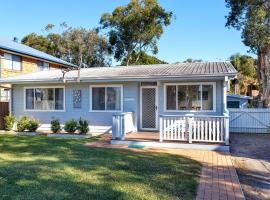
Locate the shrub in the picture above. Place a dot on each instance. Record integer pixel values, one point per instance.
(22, 123)
(9, 122)
(55, 126)
(70, 126)
(83, 126)
(32, 125)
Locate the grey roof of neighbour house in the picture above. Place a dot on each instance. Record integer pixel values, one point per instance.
(22, 49)
(239, 96)
(139, 72)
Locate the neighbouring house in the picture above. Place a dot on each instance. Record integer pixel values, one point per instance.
(237, 101)
(179, 102)
(17, 59)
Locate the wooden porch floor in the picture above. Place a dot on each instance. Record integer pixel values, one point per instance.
(143, 136)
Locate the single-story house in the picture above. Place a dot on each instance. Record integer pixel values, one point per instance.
(181, 102)
(237, 101)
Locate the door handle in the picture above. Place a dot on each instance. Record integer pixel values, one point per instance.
(156, 107)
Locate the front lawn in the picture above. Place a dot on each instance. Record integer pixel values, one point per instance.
(51, 168)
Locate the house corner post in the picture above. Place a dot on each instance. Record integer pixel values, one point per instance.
(226, 111)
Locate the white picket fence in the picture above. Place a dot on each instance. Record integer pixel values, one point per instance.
(255, 120)
(194, 128)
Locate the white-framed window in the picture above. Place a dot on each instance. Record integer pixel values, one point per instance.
(190, 96)
(108, 98)
(43, 66)
(12, 62)
(44, 98)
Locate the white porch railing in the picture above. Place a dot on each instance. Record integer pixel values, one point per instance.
(123, 123)
(194, 128)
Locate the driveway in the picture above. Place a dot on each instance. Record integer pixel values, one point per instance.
(251, 156)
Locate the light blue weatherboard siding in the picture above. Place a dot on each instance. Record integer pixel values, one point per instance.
(131, 103)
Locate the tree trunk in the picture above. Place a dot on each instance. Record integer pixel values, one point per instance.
(264, 76)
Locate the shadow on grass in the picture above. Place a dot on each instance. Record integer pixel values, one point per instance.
(51, 168)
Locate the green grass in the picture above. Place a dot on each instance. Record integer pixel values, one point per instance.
(52, 168)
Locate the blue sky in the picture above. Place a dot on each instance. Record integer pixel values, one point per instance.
(198, 31)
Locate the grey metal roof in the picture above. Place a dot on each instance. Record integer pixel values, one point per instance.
(239, 96)
(12, 46)
(163, 71)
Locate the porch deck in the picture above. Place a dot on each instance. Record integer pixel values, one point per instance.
(152, 140)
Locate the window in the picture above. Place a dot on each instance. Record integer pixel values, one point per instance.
(43, 66)
(108, 98)
(44, 98)
(233, 104)
(190, 96)
(13, 62)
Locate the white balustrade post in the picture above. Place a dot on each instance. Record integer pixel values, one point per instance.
(160, 129)
(122, 119)
(190, 129)
(189, 119)
(114, 128)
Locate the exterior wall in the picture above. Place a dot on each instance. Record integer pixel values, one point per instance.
(29, 65)
(99, 121)
(102, 121)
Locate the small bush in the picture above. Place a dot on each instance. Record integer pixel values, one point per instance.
(70, 126)
(55, 126)
(32, 125)
(9, 122)
(83, 126)
(22, 123)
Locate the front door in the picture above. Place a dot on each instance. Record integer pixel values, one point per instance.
(148, 108)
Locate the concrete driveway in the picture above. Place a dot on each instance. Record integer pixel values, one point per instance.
(251, 157)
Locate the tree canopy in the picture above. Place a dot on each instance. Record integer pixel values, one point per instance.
(246, 67)
(135, 27)
(144, 59)
(79, 46)
(252, 17)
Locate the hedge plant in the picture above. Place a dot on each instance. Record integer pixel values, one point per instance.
(9, 122)
(83, 126)
(55, 126)
(70, 126)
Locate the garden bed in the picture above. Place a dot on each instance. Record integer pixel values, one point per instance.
(65, 135)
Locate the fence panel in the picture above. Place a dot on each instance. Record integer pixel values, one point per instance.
(254, 120)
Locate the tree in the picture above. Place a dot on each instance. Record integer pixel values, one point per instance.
(190, 60)
(79, 46)
(144, 59)
(38, 42)
(246, 67)
(253, 18)
(135, 27)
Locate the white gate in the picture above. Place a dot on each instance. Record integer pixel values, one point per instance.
(254, 120)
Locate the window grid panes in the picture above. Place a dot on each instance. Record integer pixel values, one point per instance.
(106, 98)
(43, 66)
(12, 62)
(44, 99)
(190, 97)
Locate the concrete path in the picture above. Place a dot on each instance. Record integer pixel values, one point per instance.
(251, 157)
(218, 179)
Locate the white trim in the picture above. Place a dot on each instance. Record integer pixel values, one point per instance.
(35, 87)
(156, 105)
(105, 86)
(189, 83)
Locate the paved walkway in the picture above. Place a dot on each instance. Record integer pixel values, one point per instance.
(218, 179)
(251, 157)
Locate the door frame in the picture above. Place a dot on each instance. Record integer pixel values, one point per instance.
(156, 106)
